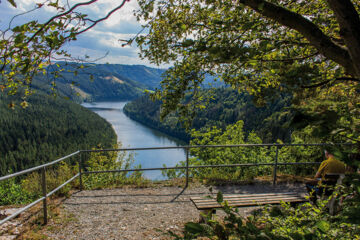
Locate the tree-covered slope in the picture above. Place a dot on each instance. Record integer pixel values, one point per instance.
(94, 82)
(150, 77)
(226, 106)
(47, 129)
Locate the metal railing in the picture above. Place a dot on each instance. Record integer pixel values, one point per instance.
(43, 167)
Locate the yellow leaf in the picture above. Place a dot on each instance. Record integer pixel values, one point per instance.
(24, 104)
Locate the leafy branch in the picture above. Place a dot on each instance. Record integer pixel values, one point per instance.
(27, 49)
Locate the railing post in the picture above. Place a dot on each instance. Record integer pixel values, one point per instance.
(80, 173)
(43, 184)
(187, 168)
(275, 166)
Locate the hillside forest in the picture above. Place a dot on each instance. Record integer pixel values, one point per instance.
(48, 128)
(219, 108)
(97, 82)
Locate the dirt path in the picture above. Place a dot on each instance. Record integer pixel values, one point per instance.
(140, 213)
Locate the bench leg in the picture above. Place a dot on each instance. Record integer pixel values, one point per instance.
(204, 213)
(333, 205)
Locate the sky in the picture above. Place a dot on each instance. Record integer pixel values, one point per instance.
(96, 42)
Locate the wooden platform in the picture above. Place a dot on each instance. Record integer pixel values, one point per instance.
(246, 200)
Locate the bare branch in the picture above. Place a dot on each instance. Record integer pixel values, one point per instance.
(104, 18)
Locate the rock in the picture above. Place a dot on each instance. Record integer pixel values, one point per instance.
(8, 237)
(9, 211)
(16, 231)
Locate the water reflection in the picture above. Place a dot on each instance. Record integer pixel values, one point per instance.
(135, 135)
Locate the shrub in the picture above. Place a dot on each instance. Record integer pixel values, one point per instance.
(54, 177)
(111, 161)
(12, 193)
(303, 222)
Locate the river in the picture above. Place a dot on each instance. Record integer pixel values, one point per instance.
(135, 135)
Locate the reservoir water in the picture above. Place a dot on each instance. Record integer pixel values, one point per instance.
(132, 134)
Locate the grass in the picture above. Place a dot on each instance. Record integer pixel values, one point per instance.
(58, 218)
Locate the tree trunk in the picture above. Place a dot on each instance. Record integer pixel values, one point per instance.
(309, 30)
(349, 22)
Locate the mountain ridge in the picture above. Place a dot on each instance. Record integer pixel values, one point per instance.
(98, 82)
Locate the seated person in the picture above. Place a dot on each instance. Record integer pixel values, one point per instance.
(329, 166)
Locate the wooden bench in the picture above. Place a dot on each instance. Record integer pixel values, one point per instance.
(206, 204)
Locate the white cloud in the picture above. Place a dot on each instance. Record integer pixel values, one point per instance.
(96, 42)
(112, 57)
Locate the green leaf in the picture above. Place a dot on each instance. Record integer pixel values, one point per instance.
(219, 197)
(194, 228)
(323, 226)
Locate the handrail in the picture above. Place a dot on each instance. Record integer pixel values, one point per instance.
(200, 166)
(217, 146)
(187, 167)
(38, 167)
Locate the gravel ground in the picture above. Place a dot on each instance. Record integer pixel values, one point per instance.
(139, 213)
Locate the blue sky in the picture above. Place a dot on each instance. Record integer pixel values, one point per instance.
(97, 41)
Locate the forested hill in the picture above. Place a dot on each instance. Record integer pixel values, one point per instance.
(47, 129)
(226, 107)
(94, 82)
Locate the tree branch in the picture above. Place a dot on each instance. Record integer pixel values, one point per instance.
(288, 59)
(104, 18)
(336, 79)
(349, 21)
(58, 16)
(317, 84)
(309, 30)
(348, 79)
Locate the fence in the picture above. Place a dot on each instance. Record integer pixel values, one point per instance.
(43, 167)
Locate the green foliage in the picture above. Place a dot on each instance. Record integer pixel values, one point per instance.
(47, 129)
(233, 135)
(219, 107)
(332, 114)
(55, 176)
(29, 188)
(13, 193)
(351, 192)
(308, 222)
(279, 222)
(111, 161)
(28, 49)
(208, 156)
(249, 47)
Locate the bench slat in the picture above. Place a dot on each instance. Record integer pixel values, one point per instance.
(248, 198)
(254, 195)
(237, 200)
(247, 204)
